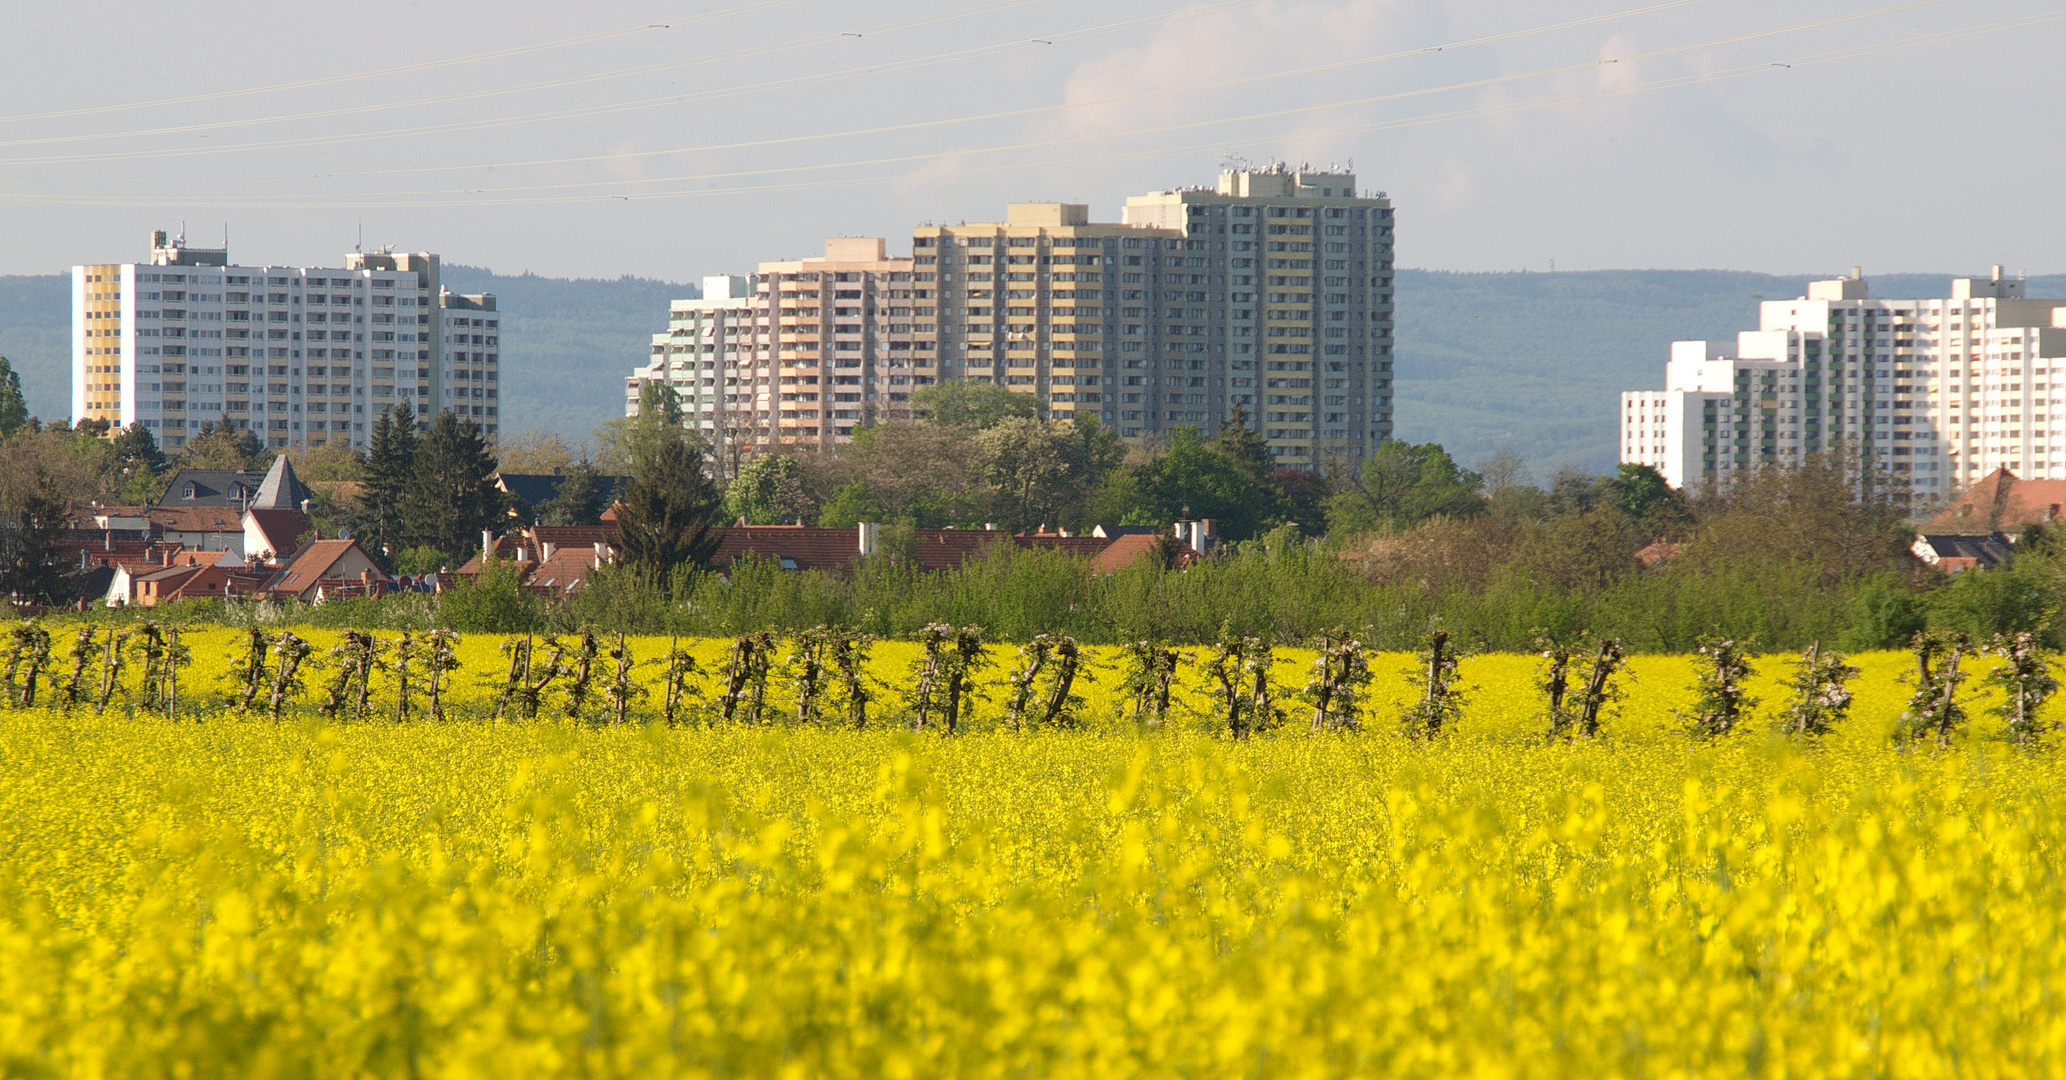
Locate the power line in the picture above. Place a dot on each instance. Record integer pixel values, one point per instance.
(406, 69)
(945, 57)
(1363, 128)
(1135, 133)
(549, 84)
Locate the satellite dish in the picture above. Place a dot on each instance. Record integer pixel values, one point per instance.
(344, 532)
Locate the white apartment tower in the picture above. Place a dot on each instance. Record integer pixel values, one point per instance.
(1271, 291)
(1936, 392)
(300, 356)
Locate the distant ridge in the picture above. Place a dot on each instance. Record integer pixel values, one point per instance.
(1526, 360)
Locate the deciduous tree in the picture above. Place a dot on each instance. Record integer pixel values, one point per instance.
(32, 516)
(975, 405)
(769, 490)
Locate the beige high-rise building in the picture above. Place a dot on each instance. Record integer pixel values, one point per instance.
(798, 355)
(1271, 291)
(1024, 303)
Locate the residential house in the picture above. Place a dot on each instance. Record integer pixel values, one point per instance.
(323, 568)
(273, 535)
(237, 489)
(1955, 553)
(1133, 546)
(200, 528)
(1999, 503)
(124, 584)
(198, 575)
(534, 490)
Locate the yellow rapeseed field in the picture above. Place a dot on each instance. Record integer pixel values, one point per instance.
(232, 896)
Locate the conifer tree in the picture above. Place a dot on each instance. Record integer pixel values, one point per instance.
(1246, 448)
(390, 463)
(579, 500)
(451, 492)
(14, 408)
(669, 513)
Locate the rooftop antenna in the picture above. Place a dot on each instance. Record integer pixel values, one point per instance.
(361, 245)
(182, 241)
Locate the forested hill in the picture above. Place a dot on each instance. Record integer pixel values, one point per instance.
(1531, 361)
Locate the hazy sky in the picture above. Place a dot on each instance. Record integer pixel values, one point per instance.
(697, 137)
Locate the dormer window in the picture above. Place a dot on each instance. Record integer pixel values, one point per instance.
(189, 493)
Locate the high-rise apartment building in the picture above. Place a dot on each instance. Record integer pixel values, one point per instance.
(1936, 392)
(1030, 303)
(299, 356)
(799, 355)
(1271, 292)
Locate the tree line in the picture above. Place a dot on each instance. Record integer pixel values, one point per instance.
(1409, 538)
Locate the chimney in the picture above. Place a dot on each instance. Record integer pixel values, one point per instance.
(1997, 271)
(304, 506)
(1857, 273)
(871, 532)
(487, 544)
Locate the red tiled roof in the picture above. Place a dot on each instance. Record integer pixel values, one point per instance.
(567, 570)
(312, 565)
(506, 548)
(584, 535)
(194, 581)
(1125, 550)
(102, 553)
(796, 547)
(1651, 556)
(2000, 502)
